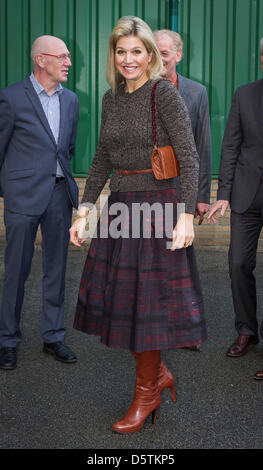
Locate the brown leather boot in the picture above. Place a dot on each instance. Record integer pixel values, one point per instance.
(147, 398)
(165, 379)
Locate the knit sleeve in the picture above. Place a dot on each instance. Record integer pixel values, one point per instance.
(172, 112)
(101, 167)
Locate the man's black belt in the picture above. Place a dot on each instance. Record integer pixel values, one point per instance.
(59, 179)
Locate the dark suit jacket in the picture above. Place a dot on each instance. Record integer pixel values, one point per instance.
(242, 148)
(28, 150)
(196, 100)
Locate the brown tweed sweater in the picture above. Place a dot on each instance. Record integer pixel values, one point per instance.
(126, 142)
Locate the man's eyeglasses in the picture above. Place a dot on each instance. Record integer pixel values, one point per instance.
(62, 57)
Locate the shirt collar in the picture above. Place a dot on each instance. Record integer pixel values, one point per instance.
(40, 89)
(175, 81)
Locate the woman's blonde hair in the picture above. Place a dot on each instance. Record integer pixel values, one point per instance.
(132, 26)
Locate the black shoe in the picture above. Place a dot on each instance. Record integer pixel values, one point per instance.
(240, 346)
(8, 358)
(60, 351)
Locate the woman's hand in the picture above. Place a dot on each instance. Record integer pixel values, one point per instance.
(183, 233)
(77, 229)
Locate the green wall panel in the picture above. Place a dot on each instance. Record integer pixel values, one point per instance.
(222, 52)
(85, 26)
(95, 21)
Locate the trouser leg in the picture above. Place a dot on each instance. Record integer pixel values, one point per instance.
(245, 231)
(20, 237)
(55, 225)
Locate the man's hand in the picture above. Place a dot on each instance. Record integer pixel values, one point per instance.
(221, 205)
(201, 209)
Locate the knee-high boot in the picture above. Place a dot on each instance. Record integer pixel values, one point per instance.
(165, 378)
(147, 398)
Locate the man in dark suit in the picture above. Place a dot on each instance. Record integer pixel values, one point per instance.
(170, 45)
(38, 126)
(240, 183)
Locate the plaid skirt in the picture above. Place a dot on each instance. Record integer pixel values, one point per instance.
(135, 293)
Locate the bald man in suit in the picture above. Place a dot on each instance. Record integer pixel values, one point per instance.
(38, 127)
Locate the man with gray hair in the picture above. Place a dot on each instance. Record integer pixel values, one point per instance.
(240, 184)
(170, 45)
(38, 127)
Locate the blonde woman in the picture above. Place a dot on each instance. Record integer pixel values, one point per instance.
(136, 293)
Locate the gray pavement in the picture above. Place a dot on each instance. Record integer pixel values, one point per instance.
(49, 405)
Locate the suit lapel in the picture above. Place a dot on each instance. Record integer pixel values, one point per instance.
(258, 105)
(180, 84)
(63, 116)
(32, 95)
(261, 108)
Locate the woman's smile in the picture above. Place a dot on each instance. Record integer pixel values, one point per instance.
(132, 60)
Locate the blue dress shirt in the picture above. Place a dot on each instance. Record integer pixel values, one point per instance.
(51, 107)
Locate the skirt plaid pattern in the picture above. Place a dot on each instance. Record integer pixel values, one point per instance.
(134, 292)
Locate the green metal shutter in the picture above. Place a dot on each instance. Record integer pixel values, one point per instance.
(221, 51)
(85, 26)
(94, 27)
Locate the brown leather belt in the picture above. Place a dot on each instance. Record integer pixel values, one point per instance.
(132, 172)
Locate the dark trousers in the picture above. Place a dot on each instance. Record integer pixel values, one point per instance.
(245, 232)
(21, 233)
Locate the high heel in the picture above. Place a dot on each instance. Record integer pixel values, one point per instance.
(173, 393)
(154, 415)
(147, 398)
